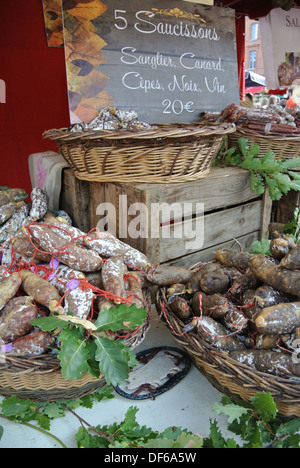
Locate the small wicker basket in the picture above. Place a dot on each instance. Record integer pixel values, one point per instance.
(164, 154)
(284, 147)
(39, 378)
(228, 376)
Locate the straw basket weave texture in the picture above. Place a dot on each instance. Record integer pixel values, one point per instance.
(163, 154)
(284, 147)
(39, 378)
(237, 381)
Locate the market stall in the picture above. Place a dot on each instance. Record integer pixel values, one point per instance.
(167, 191)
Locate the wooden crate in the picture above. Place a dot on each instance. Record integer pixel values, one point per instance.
(232, 212)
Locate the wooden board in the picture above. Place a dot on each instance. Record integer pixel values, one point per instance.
(168, 64)
(205, 255)
(75, 200)
(219, 189)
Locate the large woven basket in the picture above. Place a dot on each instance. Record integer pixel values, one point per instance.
(284, 147)
(39, 378)
(228, 376)
(164, 154)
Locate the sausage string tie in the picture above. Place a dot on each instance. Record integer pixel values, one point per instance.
(200, 323)
(281, 348)
(23, 338)
(64, 249)
(83, 281)
(164, 313)
(84, 285)
(218, 307)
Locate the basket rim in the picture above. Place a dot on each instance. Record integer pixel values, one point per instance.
(146, 179)
(160, 131)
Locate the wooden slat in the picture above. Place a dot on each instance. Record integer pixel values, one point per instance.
(221, 188)
(219, 227)
(209, 254)
(97, 196)
(285, 208)
(75, 200)
(152, 243)
(266, 216)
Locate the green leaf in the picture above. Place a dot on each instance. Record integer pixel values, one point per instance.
(295, 185)
(261, 247)
(216, 438)
(171, 433)
(257, 183)
(290, 163)
(255, 441)
(14, 407)
(254, 150)
(54, 410)
(283, 182)
(88, 441)
(266, 171)
(130, 429)
(290, 427)
(265, 407)
(274, 191)
(20, 410)
(121, 317)
(130, 421)
(1, 432)
(294, 175)
(131, 357)
(269, 163)
(74, 354)
(43, 421)
(243, 146)
(292, 442)
(184, 440)
(249, 163)
(233, 157)
(231, 443)
(229, 154)
(231, 410)
(113, 360)
(50, 323)
(104, 392)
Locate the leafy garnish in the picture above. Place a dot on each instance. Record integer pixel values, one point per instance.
(253, 424)
(268, 172)
(85, 349)
(261, 247)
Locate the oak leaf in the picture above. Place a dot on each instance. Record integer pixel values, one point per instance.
(88, 86)
(89, 11)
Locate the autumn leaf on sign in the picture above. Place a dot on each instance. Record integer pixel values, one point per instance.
(89, 86)
(83, 45)
(53, 22)
(88, 10)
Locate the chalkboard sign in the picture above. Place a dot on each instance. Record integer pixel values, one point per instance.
(167, 64)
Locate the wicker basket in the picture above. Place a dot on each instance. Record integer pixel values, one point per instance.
(283, 147)
(228, 376)
(164, 154)
(39, 378)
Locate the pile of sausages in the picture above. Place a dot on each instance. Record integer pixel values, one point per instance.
(49, 266)
(284, 122)
(245, 304)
